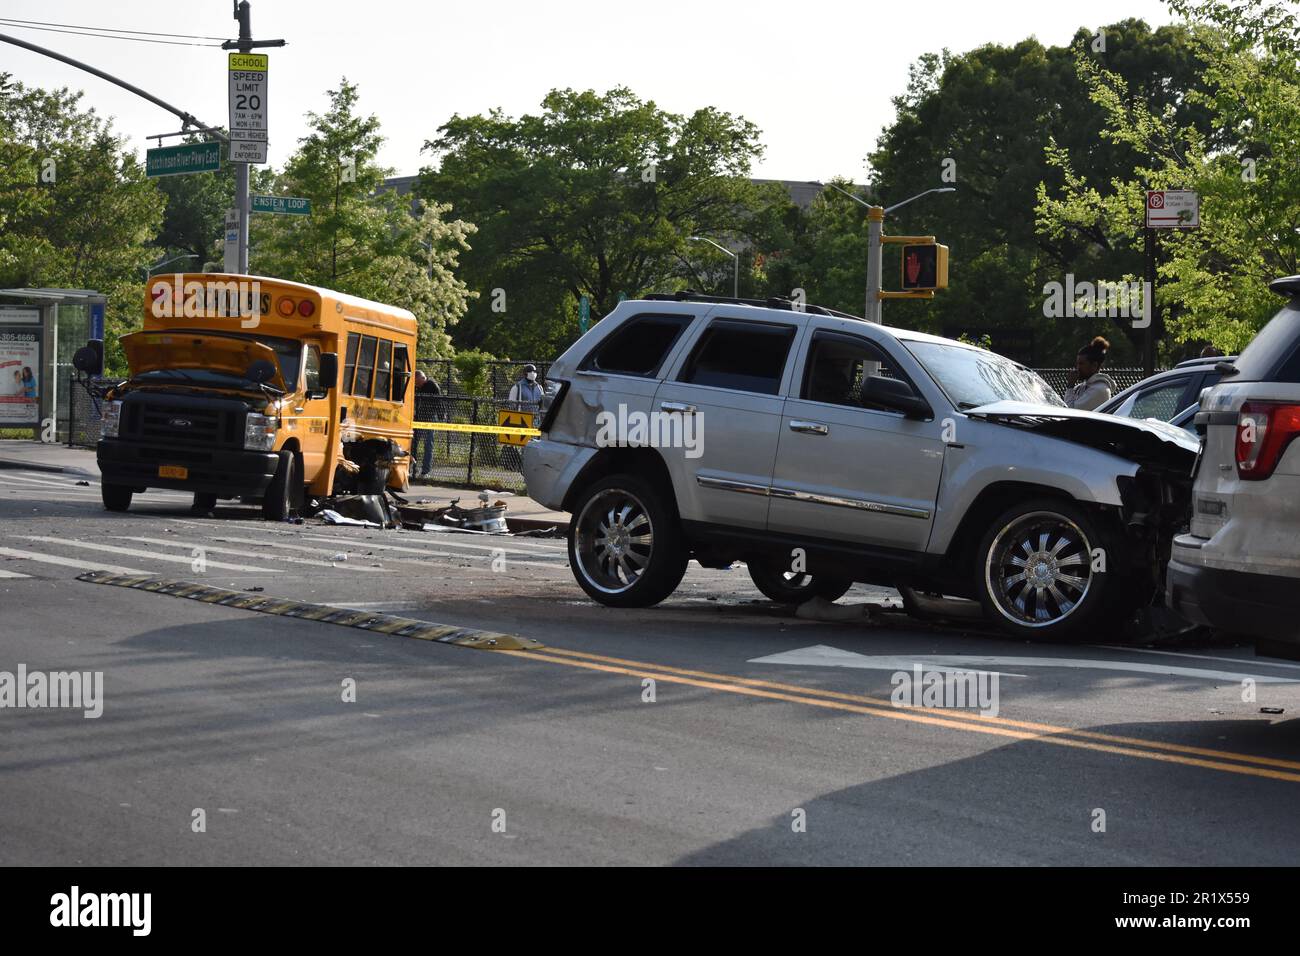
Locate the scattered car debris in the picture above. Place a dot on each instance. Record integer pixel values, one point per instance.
(1272, 710)
(83, 484)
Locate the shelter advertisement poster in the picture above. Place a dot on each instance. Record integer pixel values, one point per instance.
(20, 377)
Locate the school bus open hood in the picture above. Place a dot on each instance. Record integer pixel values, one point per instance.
(160, 351)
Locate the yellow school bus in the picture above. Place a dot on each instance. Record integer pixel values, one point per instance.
(253, 387)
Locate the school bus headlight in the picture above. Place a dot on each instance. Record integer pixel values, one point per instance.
(259, 432)
(110, 418)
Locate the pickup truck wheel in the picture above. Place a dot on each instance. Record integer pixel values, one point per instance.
(625, 544)
(792, 587)
(116, 497)
(282, 494)
(1035, 576)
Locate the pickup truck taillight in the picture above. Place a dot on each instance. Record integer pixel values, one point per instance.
(1264, 430)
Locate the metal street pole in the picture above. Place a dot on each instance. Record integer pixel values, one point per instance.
(735, 282)
(245, 44)
(243, 13)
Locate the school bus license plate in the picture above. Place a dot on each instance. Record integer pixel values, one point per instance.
(173, 471)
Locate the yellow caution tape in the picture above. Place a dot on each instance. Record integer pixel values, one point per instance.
(480, 429)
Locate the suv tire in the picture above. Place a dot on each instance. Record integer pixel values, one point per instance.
(625, 543)
(787, 587)
(1034, 571)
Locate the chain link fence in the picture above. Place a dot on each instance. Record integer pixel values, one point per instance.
(1059, 378)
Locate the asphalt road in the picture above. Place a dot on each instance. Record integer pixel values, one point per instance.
(769, 739)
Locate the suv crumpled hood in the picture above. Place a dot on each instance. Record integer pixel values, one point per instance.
(1145, 441)
(157, 351)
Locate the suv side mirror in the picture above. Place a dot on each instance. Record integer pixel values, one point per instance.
(894, 395)
(329, 370)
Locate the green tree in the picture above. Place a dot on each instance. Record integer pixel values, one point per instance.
(593, 196)
(76, 209)
(1213, 280)
(360, 237)
(982, 121)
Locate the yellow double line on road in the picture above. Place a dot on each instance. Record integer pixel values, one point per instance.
(1270, 767)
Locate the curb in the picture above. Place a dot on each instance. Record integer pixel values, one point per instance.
(42, 466)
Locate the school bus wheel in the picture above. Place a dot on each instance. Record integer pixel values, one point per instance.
(283, 493)
(116, 497)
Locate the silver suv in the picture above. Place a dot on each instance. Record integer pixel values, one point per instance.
(1239, 567)
(821, 450)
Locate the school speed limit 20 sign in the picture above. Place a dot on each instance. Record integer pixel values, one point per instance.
(248, 107)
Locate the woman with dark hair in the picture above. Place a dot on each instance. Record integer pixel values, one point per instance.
(29, 383)
(1089, 385)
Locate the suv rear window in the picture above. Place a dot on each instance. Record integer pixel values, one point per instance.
(744, 356)
(1274, 355)
(640, 346)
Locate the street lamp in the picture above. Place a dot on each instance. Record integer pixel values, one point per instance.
(875, 246)
(735, 286)
(148, 270)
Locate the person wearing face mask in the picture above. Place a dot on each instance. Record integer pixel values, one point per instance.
(527, 393)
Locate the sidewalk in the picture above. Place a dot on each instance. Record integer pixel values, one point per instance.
(523, 512)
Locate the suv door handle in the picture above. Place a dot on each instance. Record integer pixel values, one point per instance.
(677, 407)
(809, 428)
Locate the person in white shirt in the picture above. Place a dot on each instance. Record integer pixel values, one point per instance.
(1089, 385)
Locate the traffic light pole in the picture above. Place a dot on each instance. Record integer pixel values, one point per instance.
(875, 263)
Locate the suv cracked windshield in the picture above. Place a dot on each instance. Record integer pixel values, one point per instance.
(972, 377)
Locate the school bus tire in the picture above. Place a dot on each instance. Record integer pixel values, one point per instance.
(116, 497)
(282, 495)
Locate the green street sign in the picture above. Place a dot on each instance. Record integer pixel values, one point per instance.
(284, 205)
(179, 160)
(584, 314)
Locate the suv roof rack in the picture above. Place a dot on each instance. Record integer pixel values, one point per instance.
(774, 302)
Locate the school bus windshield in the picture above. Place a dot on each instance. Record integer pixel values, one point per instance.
(288, 354)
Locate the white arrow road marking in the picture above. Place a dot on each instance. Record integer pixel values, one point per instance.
(135, 552)
(67, 562)
(820, 655)
(313, 562)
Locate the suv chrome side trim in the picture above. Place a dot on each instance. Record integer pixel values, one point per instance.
(727, 484)
(859, 504)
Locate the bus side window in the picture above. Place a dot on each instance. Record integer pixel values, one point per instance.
(383, 369)
(365, 366)
(349, 364)
(401, 372)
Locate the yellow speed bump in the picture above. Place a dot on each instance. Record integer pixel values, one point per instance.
(391, 624)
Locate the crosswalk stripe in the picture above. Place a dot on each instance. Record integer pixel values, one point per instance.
(313, 562)
(67, 562)
(12, 574)
(444, 543)
(134, 552)
(357, 545)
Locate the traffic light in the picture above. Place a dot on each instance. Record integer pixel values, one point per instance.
(925, 266)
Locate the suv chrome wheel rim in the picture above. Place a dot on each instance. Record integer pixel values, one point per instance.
(1039, 569)
(613, 540)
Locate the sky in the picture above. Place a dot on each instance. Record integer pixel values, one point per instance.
(816, 77)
